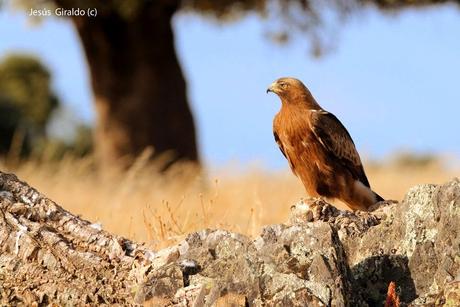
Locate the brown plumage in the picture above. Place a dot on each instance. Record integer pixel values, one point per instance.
(319, 149)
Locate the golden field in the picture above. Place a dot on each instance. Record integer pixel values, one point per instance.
(161, 209)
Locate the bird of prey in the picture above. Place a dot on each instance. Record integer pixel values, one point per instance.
(319, 149)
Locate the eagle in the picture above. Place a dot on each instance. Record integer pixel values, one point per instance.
(319, 149)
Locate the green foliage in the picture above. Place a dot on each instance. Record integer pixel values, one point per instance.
(83, 142)
(9, 121)
(25, 85)
(53, 149)
(26, 105)
(26, 101)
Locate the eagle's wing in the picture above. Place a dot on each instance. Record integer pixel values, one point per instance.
(337, 141)
(281, 147)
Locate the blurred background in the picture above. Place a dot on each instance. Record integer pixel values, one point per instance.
(111, 115)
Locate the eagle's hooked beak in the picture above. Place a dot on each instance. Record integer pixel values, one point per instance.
(272, 88)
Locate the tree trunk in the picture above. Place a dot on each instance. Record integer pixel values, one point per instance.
(139, 87)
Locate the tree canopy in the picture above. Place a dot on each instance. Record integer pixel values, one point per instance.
(25, 84)
(26, 99)
(311, 17)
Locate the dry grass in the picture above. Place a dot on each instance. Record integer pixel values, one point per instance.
(159, 210)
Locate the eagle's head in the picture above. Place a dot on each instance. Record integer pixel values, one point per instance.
(292, 91)
(287, 87)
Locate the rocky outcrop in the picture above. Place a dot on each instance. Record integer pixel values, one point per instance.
(320, 257)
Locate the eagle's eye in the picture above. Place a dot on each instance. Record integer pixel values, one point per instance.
(284, 85)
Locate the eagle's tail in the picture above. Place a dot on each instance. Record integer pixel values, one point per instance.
(378, 197)
(361, 197)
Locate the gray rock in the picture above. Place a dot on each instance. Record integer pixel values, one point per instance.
(321, 257)
(328, 257)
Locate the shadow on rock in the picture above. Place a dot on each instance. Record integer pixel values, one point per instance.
(373, 275)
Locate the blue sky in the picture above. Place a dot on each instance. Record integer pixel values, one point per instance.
(392, 80)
